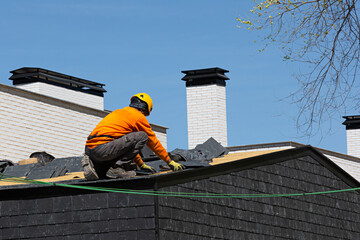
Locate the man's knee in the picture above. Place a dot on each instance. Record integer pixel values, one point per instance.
(138, 137)
(143, 137)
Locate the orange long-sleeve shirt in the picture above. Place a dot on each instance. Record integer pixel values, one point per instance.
(123, 121)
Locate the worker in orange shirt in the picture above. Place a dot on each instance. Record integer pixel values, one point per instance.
(118, 139)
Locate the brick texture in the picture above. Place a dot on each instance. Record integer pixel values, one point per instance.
(206, 114)
(353, 142)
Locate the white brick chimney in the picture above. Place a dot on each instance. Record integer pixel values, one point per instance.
(60, 86)
(206, 105)
(352, 124)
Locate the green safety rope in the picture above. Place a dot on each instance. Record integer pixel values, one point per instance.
(170, 194)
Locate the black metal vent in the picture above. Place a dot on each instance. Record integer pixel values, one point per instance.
(352, 122)
(205, 76)
(30, 75)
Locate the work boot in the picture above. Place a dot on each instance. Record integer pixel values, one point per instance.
(118, 172)
(89, 170)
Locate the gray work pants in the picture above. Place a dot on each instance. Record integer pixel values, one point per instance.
(120, 151)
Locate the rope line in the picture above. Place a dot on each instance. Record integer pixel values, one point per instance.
(7, 178)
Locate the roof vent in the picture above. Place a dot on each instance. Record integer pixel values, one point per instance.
(61, 86)
(205, 76)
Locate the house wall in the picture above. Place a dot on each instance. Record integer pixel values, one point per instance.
(330, 216)
(349, 163)
(97, 215)
(34, 212)
(206, 114)
(353, 142)
(81, 98)
(352, 167)
(30, 122)
(162, 138)
(160, 133)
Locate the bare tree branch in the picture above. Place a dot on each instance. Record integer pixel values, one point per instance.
(323, 34)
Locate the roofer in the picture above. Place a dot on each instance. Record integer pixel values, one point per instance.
(117, 140)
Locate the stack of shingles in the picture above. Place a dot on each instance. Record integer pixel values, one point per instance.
(55, 168)
(21, 170)
(200, 156)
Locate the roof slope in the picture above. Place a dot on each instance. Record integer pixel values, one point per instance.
(329, 216)
(227, 164)
(50, 211)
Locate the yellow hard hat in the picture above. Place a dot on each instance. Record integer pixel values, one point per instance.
(145, 98)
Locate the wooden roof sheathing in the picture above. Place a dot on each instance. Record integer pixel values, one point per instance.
(241, 155)
(80, 175)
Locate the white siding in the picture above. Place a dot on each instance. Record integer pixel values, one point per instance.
(351, 167)
(353, 142)
(31, 122)
(206, 114)
(162, 138)
(81, 98)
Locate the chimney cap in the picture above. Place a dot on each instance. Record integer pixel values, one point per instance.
(30, 74)
(205, 76)
(352, 122)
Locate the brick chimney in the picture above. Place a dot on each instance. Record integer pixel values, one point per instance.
(60, 86)
(352, 124)
(206, 105)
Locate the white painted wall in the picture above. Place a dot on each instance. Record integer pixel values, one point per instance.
(31, 122)
(162, 138)
(206, 114)
(351, 167)
(353, 142)
(81, 98)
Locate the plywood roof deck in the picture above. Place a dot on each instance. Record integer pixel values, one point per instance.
(80, 175)
(241, 155)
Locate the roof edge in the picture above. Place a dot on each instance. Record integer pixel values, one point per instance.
(51, 100)
(168, 179)
(291, 144)
(256, 161)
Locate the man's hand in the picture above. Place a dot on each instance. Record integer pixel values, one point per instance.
(176, 166)
(147, 168)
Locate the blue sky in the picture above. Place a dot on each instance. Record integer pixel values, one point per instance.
(142, 46)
